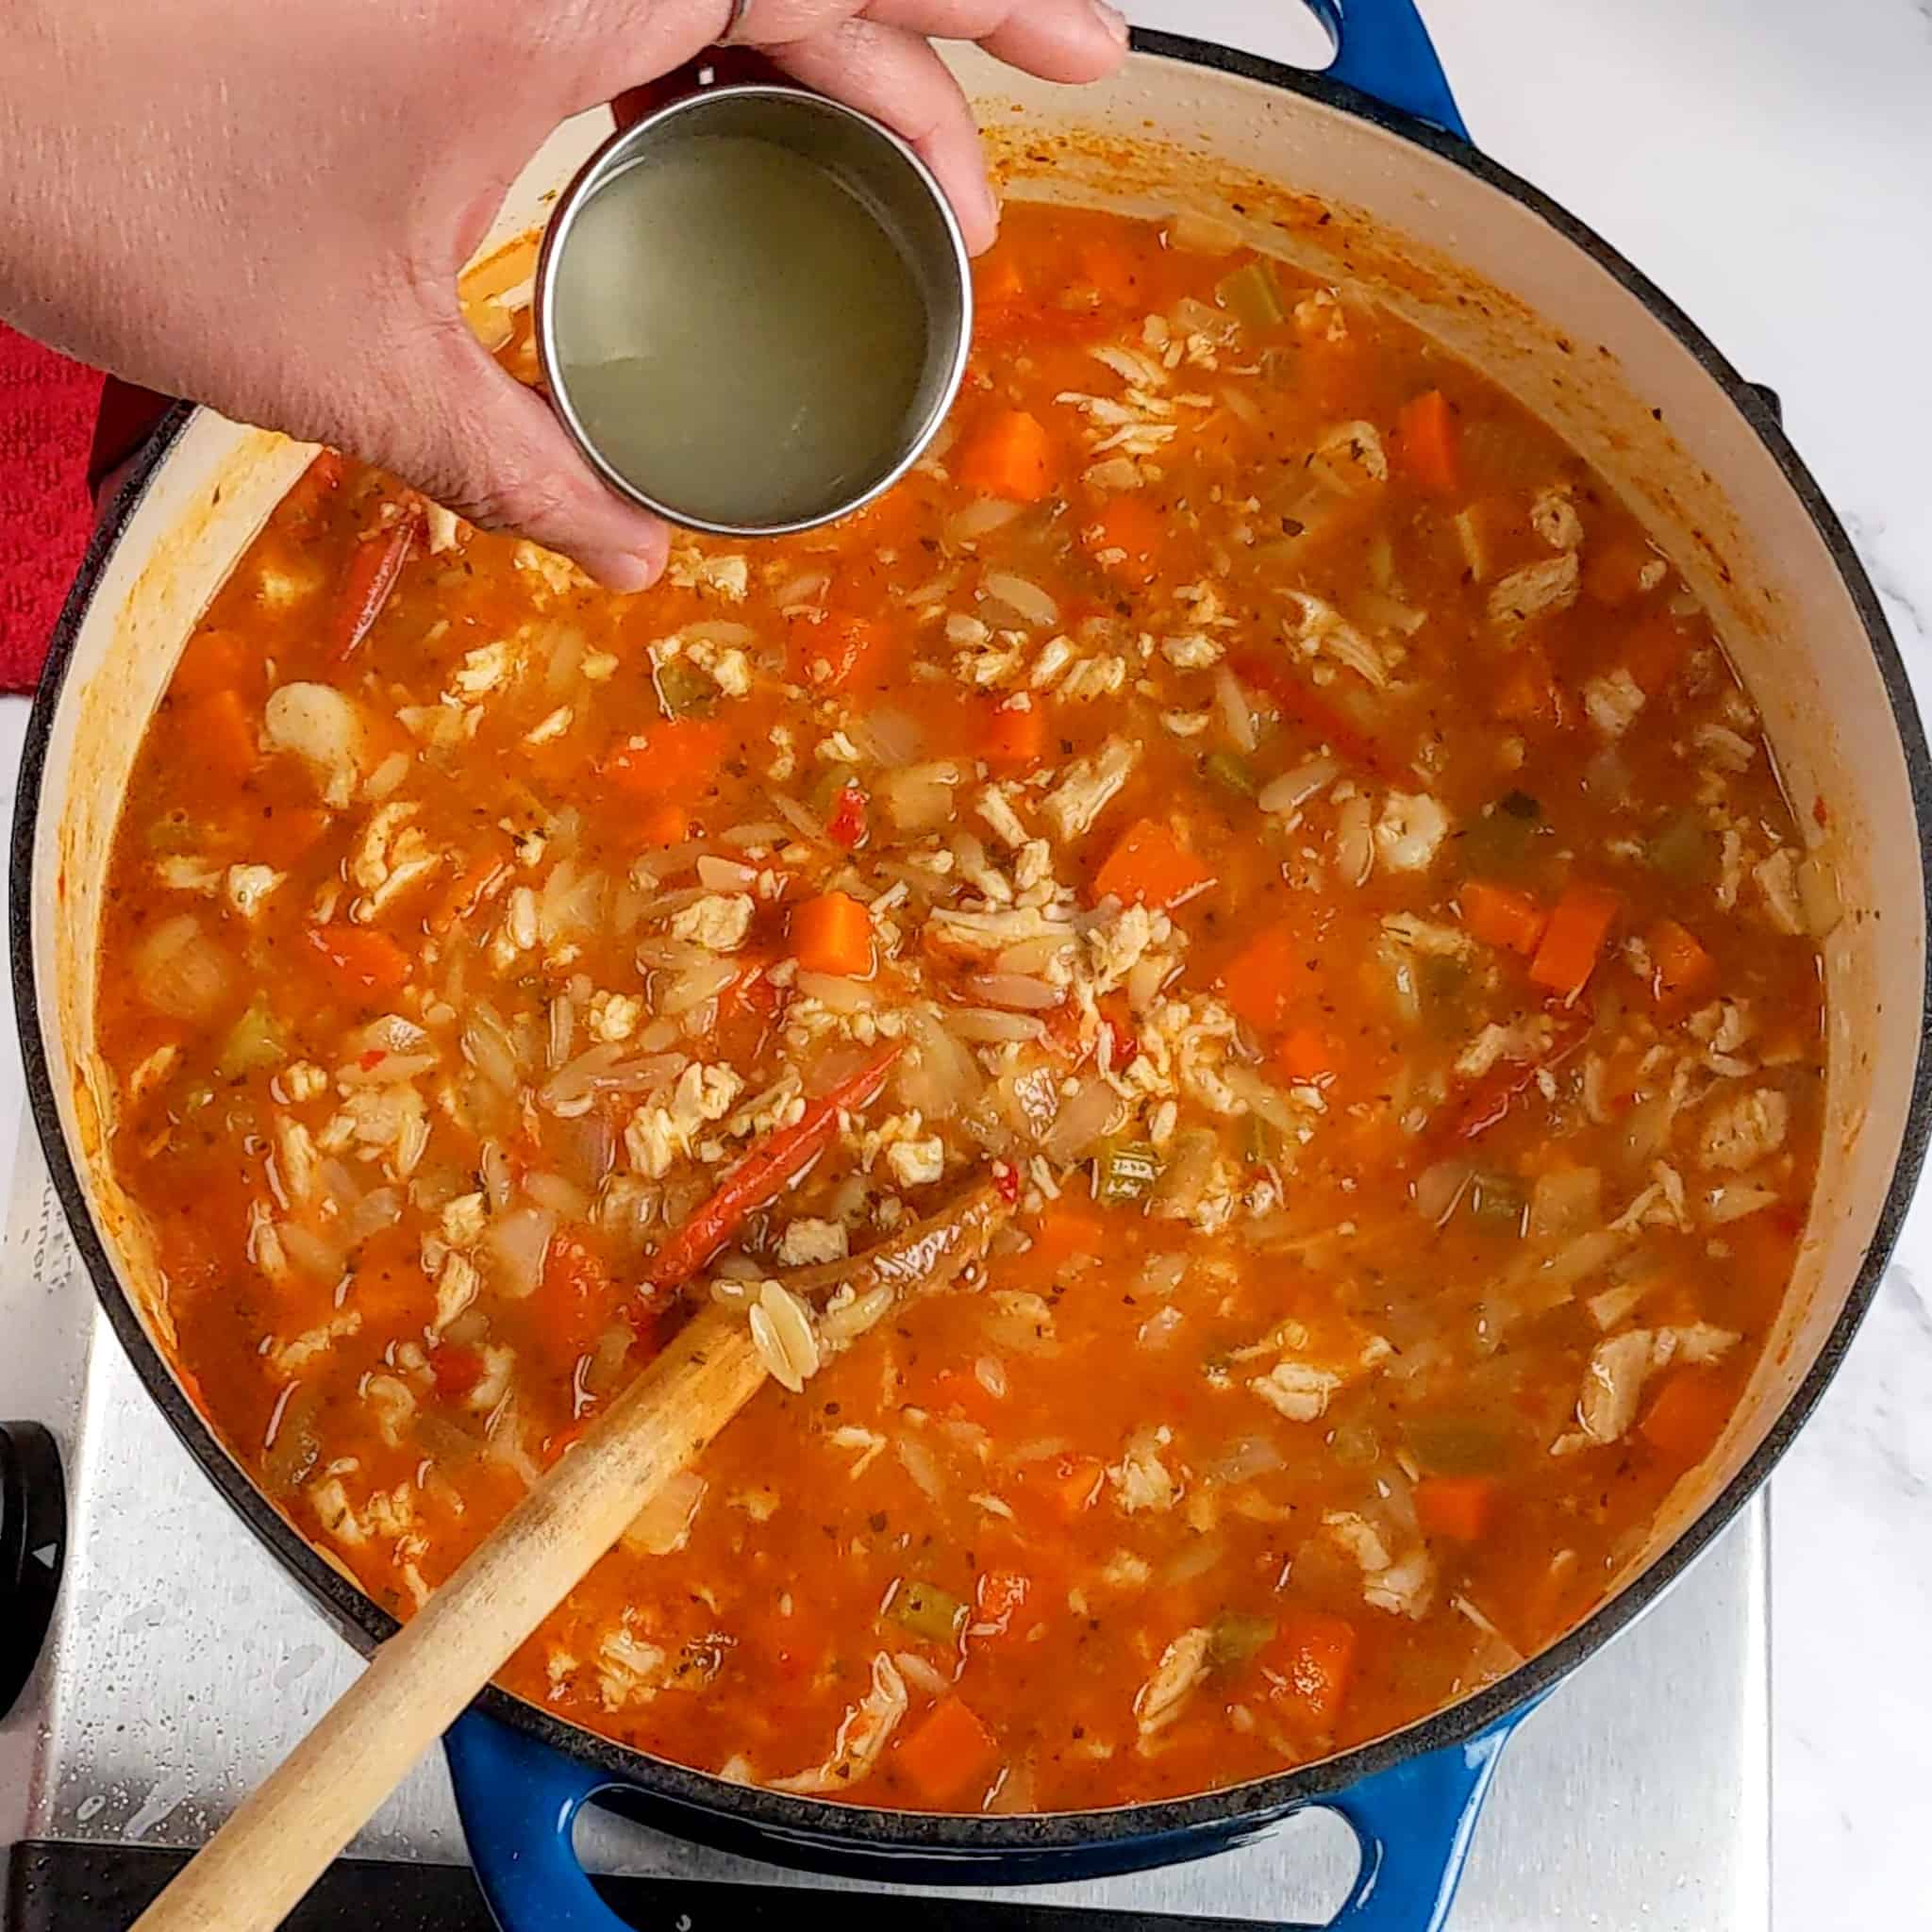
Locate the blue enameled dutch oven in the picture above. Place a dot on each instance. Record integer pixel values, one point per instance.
(1528, 294)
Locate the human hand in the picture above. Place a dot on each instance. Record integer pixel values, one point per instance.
(266, 208)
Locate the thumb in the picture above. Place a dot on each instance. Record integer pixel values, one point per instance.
(493, 452)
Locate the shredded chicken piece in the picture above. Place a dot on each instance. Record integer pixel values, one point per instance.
(866, 1729)
(1182, 1666)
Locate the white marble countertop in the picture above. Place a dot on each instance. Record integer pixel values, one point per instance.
(1769, 163)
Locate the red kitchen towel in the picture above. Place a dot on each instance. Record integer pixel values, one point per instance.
(47, 406)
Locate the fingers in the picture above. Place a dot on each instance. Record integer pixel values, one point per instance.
(897, 77)
(491, 450)
(1057, 39)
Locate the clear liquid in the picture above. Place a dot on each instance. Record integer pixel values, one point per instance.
(739, 335)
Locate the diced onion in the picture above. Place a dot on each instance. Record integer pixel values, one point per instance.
(513, 1247)
(842, 995)
(1022, 596)
(940, 1078)
(663, 1524)
(727, 875)
(1566, 1201)
(1437, 1189)
(1734, 1200)
(311, 1253)
(977, 520)
(696, 984)
(181, 972)
(1091, 1112)
(1244, 1457)
(563, 1198)
(486, 1045)
(893, 737)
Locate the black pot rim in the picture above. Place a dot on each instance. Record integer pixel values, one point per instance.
(1180, 1823)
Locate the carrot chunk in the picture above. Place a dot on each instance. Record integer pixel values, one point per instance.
(361, 959)
(1427, 438)
(674, 759)
(832, 933)
(1502, 916)
(1655, 650)
(1680, 966)
(1008, 457)
(1529, 694)
(1311, 1662)
(1263, 978)
(1689, 1414)
(1075, 1482)
(1455, 1508)
(1125, 539)
(1151, 867)
(214, 660)
(950, 1754)
(835, 653)
(221, 733)
(1574, 939)
(1306, 1052)
(1002, 1596)
(1015, 740)
(661, 823)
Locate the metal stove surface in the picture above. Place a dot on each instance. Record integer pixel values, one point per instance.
(183, 1663)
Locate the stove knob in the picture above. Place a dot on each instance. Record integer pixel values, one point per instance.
(33, 1544)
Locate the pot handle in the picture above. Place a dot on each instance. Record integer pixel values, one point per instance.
(1414, 1822)
(519, 1801)
(1382, 49)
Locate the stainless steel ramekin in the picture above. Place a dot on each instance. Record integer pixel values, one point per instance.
(887, 177)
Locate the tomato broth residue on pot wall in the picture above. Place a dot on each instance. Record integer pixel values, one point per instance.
(738, 334)
(1277, 837)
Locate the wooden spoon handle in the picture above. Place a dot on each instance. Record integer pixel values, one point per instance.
(253, 1871)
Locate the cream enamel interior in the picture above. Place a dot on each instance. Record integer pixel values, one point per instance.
(1493, 279)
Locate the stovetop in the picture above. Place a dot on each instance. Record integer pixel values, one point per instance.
(183, 1663)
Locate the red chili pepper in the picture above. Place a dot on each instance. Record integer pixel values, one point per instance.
(1005, 1182)
(374, 565)
(1314, 715)
(761, 1174)
(845, 823)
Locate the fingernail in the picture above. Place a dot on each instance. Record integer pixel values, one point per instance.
(618, 571)
(990, 196)
(1113, 19)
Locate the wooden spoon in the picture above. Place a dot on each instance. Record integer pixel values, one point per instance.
(256, 1867)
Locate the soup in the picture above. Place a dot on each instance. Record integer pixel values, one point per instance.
(1224, 976)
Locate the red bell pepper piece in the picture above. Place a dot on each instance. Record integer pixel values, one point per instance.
(374, 565)
(845, 823)
(761, 1174)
